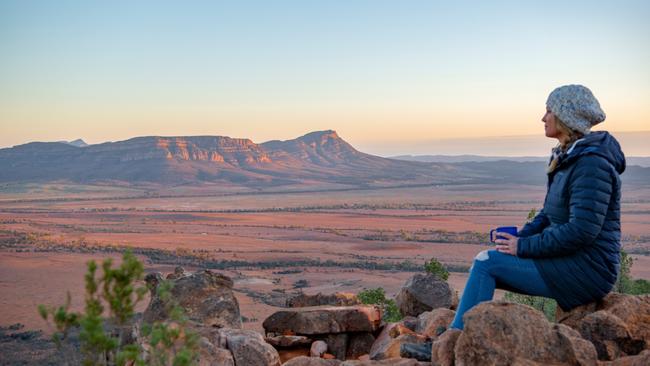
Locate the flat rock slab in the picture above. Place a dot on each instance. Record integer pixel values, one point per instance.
(324, 320)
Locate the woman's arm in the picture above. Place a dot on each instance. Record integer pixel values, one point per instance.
(590, 191)
(539, 223)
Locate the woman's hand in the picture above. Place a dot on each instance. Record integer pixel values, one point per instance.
(508, 243)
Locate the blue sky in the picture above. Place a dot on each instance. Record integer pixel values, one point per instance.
(377, 72)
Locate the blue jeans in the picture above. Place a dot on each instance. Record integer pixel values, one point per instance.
(492, 269)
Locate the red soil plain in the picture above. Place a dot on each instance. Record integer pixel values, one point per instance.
(72, 224)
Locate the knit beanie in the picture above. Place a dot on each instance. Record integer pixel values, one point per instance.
(576, 107)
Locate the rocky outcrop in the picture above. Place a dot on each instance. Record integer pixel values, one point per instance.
(205, 296)
(618, 325)
(501, 333)
(336, 299)
(425, 292)
(324, 320)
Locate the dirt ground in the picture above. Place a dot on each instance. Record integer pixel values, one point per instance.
(384, 225)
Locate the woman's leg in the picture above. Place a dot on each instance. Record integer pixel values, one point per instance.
(492, 269)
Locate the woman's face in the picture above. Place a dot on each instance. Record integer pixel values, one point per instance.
(550, 125)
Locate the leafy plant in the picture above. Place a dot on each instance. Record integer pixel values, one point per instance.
(377, 296)
(625, 283)
(437, 268)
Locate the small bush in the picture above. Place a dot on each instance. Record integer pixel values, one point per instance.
(377, 296)
(436, 268)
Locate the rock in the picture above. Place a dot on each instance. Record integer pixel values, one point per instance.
(337, 344)
(205, 296)
(359, 344)
(502, 333)
(582, 350)
(642, 359)
(424, 292)
(178, 273)
(410, 322)
(431, 323)
(249, 348)
(318, 348)
(288, 341)
(399, 329)
(387, 362)
(311, 361)
(336, 299)
(329, 356)
(287, 354)
(210, 355)
(442, 350)
(324, 320)
(606, 332)
(618, 324)
(386, 347)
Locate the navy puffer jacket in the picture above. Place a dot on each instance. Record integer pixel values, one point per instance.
(575, 239)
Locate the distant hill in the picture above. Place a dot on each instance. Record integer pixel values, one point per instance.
(315, 158)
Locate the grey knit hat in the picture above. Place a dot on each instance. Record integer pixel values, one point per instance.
(576, 106)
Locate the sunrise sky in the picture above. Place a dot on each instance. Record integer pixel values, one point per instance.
(383, 74)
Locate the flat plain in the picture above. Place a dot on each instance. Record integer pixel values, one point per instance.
(272, 243)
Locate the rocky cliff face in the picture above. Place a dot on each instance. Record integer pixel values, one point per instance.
(320, 156)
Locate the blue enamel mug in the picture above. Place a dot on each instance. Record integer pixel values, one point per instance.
(512, 230)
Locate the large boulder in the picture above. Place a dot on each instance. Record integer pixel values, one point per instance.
(205, 296)
(424, 292)
(502, 333)
(618, 325)
(324, 320)
(336, 299)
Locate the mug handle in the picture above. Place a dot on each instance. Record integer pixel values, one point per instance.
(491, 236)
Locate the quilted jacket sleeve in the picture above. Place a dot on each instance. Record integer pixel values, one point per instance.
(590, 189)
(539, 223)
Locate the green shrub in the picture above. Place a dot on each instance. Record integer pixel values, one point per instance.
(543, 304)
(625, 284)
(437, 268)
(377, 296)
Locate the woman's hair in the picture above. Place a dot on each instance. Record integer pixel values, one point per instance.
(564, 146)
(573, 134)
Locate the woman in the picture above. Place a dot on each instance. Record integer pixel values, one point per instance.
(570, 250)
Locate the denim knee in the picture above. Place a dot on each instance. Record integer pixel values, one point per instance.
(481, 259)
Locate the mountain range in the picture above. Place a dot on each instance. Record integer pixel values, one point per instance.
(320, 157)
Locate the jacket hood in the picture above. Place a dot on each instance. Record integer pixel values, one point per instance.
(599, 143)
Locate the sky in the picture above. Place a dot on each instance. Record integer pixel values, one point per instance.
(386, 75)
